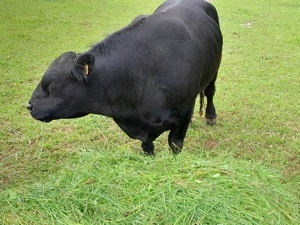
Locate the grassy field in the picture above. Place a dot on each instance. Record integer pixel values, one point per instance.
(244, 170)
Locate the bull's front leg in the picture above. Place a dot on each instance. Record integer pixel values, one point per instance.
(178, 132)
(148, 148)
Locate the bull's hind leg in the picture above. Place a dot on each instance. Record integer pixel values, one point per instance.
(210, 111)
(178, 132)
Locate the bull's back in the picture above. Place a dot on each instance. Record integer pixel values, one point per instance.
(185, 43)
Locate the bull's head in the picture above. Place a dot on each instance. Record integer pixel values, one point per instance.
(63, 90)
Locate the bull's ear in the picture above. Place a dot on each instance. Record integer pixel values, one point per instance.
(86, 63)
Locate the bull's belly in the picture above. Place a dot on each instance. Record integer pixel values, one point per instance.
(144, 129)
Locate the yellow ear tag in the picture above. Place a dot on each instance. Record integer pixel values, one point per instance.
(86, 68)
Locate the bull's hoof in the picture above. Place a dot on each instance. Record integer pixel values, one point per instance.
(211, 121)
(148, 153)
(176, 148)
(176, 151)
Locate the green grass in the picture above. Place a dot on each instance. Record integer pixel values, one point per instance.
(244, 170)
(127, 188)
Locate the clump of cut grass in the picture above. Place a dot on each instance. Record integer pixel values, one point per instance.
(127, 188)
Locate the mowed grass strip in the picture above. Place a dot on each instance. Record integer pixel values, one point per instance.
(245, 170)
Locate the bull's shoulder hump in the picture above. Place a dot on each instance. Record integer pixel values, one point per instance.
(138, 21)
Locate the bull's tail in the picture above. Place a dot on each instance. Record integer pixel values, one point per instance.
(201, 103)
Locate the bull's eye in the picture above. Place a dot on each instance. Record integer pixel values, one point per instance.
(51, 88)
(45, 89)
(48, 89)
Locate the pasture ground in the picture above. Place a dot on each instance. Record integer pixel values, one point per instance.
(244, 170)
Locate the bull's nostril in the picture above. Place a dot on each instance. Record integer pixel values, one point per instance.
(29, 107)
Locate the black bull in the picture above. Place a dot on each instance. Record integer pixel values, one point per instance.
(145, 76)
